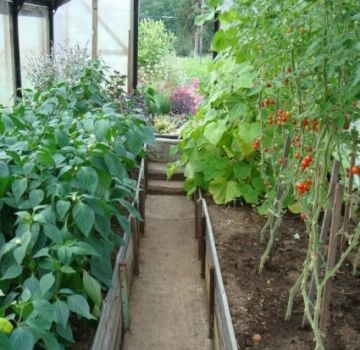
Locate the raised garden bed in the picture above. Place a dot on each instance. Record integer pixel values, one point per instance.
(114, 319)
(258, 303)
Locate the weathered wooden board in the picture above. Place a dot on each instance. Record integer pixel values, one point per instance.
(224, 334)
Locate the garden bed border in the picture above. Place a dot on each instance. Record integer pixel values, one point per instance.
(114, 319)
(221, 328)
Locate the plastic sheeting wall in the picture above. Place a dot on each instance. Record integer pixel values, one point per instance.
(6, 65)
(73, 24)
(33, 37)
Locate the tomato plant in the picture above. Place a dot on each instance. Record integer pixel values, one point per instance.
(303, 91)
(65, 159)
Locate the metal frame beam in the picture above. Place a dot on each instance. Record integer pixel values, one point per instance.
(15, 7)
(135, 44)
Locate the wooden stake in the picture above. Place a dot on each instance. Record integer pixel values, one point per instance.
(211, 301)
(146, 174)
(323, 233)
(124, 296)
(196, 212)
(331, 259)
(345, 227)
(142, 211)
(202, 245)
(135, 236)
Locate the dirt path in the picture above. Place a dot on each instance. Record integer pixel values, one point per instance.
(167, 302)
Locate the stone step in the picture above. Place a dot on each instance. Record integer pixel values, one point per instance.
(157, 171)
(166, 187)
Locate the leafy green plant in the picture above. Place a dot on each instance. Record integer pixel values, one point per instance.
(65, 158)
(165, 124)
(216, 148)
(156, 101)
(155, 42)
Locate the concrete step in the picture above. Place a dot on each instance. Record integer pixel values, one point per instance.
(166, 187)
(157, 171)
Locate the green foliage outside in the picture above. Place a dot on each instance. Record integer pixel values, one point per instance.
(65, 159)
(155, 42)
(179, 19)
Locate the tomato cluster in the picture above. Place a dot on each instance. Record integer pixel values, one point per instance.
(303, 187)
(306, 162)
(267, 102)
(256, 144)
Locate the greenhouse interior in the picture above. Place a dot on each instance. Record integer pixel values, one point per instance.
(179, 175)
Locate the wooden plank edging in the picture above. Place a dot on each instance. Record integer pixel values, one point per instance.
(110, 327)
(223, 325)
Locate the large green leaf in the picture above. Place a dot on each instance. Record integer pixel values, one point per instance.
(88, 179)
(62, 208)
(46, 282)
(12, 272)
(78, 304)
(22, 338)
(249, 132)
(5, 343)
(4, 169)
(224, 191)
(214, 131)
(18, 187)
(62, 312)
(84, 217)
(92, 288)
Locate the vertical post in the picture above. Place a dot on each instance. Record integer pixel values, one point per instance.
(196, 212)
(135, 43)
(203, 246)
(15, 7)
(135, 236)
(216, 28)
(211, 301)
(142, 210)
(124, 296)
(51, 27)
(331, 259)
(146, 175)
(199, 225)
(94, 29)
(345, 227)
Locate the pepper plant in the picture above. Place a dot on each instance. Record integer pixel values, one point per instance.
(65, 159)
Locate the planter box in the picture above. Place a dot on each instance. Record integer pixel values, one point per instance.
(114, 318)
(160, 152)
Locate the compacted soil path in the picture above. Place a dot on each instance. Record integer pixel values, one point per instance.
(167, 301)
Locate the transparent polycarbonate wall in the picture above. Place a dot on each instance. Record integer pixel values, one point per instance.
(33, 37)
(6, 72)
(73, 24)
(113, 40)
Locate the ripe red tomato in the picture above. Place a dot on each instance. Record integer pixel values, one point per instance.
(356, 170)
(305, 122)
(300, 188)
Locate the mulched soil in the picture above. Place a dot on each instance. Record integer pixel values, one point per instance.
(258, 303)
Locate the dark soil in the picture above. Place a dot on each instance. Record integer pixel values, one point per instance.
(258, 303)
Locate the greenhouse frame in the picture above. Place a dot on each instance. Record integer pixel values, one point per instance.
(54, 22)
